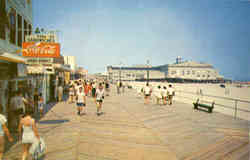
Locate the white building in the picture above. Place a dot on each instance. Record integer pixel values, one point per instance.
(70, 60)
(134, 73)
(188, 70)
(192, 70)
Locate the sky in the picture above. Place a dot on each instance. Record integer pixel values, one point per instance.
(128, 32)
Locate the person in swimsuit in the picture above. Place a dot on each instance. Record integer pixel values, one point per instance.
(3, 131)
(27, 132)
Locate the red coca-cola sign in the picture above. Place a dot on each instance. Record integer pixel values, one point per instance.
(43, 49)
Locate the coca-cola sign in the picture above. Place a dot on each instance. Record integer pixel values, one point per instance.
(43, 49)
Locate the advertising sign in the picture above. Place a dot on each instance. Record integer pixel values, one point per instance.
(32, 49)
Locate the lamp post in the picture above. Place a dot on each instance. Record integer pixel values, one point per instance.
(147, 71)
(120, 72)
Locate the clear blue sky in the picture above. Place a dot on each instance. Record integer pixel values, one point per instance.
(107, 32)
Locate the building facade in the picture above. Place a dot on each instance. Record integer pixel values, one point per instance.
(15, 24)
(188, 70)
(193, 71)
(134, 73)
(71, 61)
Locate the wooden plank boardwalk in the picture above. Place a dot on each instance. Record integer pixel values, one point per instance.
(130, 130)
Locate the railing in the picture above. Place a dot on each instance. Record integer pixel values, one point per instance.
(192, 96)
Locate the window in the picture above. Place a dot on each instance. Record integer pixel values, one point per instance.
(193, 72)
(30, 29)
(19, 37)
(173, 72)
(183, 72)
(12, 19)
(25, 29)
(188, 72)
(3, 19)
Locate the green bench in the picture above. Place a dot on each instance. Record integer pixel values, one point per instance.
(204, 104)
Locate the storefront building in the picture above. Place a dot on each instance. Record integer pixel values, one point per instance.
(15, 24)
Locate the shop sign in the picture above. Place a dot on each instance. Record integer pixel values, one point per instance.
(40, 60)
(49, 50)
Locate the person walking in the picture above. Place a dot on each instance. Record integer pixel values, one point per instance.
(107, 88)
(27, 133)
(118, 86)
(99, 99)
(18, 108)
(164, 95)
(171, 93)
(147, 92)
(93, 89)
(158, 94)
(81, 101)
(71, 94)
(36, 99)
(41, 104)
(60, 93)
(3, 131)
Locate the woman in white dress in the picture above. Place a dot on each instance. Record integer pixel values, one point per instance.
(27, 132)
(3, 131)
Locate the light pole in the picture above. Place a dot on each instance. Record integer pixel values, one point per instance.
(147, 71)
(120, 72)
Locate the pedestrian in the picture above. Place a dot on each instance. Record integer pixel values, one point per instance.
(107, 88)
(36, 99)
(93, 89)
(60, 93)
(41, 104)
(164, 95)
(81, 101)
(158, 94)
(171, 93)
(71, 94)
(89, 88)
(99, 99)
(147, 92)
(3, 131)
(118, 85)
(18, 107)
(27, 133)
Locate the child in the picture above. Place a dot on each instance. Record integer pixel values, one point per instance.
(40, 104)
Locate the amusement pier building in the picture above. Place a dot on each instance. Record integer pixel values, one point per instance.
(189, 71)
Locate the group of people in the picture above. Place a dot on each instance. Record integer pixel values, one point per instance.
(21, 116)
(80, 90)
(162, 94)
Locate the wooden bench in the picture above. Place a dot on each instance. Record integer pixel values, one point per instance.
(204, 104)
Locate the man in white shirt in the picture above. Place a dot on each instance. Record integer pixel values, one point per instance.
(147, 92)
(171, 93)
(158, 94)
(80, 101)
(99, 98)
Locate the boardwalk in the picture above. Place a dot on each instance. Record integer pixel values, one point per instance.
(130, 130)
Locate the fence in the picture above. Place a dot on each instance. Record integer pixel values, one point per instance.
(232, 106)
